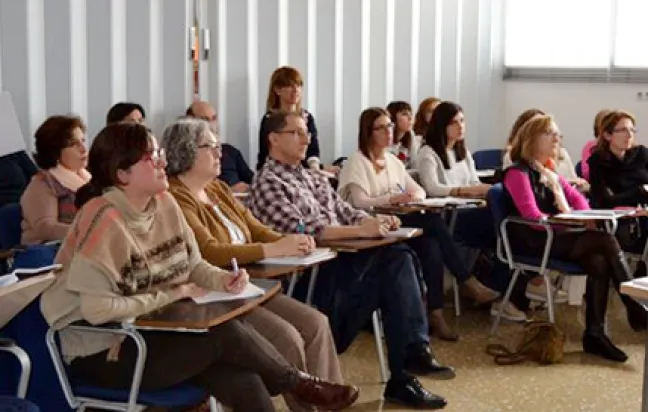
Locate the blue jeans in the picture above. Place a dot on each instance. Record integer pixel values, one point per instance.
(435, 248)
(350, 288)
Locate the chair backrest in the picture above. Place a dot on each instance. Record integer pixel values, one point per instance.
(488, 159)
(16, 170)
(496, 198)
(579, 169)
(10, 229)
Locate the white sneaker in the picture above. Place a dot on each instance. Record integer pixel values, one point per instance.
(510, 312)
(539, 293)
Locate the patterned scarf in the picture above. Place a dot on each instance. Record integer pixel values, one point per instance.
(550, 180)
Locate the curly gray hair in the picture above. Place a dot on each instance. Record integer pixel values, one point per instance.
(180, 139)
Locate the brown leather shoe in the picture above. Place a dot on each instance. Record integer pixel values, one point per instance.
(324, 395)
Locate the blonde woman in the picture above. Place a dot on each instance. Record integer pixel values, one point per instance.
(537, 192)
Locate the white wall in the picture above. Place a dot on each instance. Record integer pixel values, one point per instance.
(574, 106)
(77, 56)
(60, 56)
(353, 54)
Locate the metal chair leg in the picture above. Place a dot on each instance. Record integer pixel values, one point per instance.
(550, 297)
(293, 282)
(457, 300)
(505, 301)
(378, 335)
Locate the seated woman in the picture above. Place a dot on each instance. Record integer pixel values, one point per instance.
(374, 177)
(561, 164)
(537, 192)
(405, 143)
(48, 201)
(130, 252)
(589, 147)
(126, 112)
(424, 115)
(446, 168)
(225, 229)
(618, 165)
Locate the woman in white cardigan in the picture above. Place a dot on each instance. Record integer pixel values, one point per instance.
(372, 177)
(446, 168)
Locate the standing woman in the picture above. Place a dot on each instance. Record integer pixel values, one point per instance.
(405, 143)
(374, 177)
(285, 94)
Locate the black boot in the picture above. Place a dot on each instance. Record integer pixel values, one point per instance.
(637, 317)
(602, 346)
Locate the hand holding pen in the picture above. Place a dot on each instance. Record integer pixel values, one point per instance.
(236, 280)
(402, 196)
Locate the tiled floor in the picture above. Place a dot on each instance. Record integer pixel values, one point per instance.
(580, 383)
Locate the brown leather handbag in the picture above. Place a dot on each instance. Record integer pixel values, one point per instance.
(541, 342)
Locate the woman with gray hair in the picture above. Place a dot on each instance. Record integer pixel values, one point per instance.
(225, 229)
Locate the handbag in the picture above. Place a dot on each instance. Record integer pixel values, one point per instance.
(541, 342)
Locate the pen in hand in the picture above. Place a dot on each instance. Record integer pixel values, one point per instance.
(235, 269)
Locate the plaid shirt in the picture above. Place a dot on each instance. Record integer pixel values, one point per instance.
(282, 195)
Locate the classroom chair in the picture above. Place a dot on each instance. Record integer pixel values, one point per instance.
(542, 266)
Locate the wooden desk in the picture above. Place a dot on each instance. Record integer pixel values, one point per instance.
(188, 315)
(259, 271)
(405, 209)
(640, 294)
(354, 245)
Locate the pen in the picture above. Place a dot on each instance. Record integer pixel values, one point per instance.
(301, 229)
(235, 268)
(401, 188)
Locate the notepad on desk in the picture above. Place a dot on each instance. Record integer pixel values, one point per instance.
(250, 291)
(448, 200)
(595, 214)
(404, 232)
(318, 255)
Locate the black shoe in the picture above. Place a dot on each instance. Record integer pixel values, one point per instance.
(637, 316)
(420, 361)
(411, 393)
(602, 346)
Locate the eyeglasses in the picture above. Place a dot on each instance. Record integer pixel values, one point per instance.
(552, 133)
(155, 156)
(296, 133)
(213, 146)
(625, 130)
(385, 127)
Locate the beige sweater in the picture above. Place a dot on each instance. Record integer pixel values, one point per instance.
(118, 264)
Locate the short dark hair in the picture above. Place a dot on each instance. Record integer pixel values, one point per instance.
(120, 110)
(189, 112)
(54, 135)
(436, 136)
(118, 146)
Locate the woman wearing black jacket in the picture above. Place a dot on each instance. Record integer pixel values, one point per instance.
(285, 93)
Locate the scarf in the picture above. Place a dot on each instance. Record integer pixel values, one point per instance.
(69, 179)
(550, 180)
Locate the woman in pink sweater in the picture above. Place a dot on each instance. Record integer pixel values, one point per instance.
(535, 192)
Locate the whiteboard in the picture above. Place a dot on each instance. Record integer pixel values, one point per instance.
(11, 137)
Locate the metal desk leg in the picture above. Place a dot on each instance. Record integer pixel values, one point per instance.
(644, 395)
(311, 285)
(455, 284)
(293, 282)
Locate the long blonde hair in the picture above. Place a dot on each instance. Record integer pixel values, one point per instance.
(526, 139)
(283, 77)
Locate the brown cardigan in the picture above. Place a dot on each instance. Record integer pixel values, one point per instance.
(213, 238)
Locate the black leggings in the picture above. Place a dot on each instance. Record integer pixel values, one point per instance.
(597, 252)
(232, 362)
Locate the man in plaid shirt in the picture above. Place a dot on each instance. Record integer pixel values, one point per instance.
(292, 199)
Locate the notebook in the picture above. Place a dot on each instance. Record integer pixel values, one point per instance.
(448, 200)
(405, 232)
(318, 255)
(595, 214)
(251, 291)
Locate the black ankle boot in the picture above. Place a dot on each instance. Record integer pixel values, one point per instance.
(637, 316)
(602, 346)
